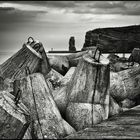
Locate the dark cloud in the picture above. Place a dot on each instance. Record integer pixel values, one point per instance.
(54, 4)
(61, 4)
(12, 19)
(106, 4)
(6, 9)
(16, 16)
(21, 4)
(90, 7)
(108, 7)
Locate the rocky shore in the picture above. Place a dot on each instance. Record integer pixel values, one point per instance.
(53, 97)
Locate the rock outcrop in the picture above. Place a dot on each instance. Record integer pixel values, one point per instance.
(115, 39)
(72, 44)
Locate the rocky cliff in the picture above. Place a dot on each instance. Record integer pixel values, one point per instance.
(115, 39)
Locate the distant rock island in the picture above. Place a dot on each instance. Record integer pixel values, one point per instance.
(114, 39)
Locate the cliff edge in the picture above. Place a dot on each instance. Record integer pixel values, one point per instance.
(114, 39)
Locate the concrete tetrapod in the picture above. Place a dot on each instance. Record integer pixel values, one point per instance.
(46, 118)
(59, 63)
(88, 92)
(14, 120)
(125, 84)
(26, 60)
(29, 59)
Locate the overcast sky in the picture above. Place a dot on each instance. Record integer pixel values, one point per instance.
(53, 22)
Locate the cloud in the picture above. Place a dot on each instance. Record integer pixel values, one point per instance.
(13, 13)
(6, 9)
(106, 4)
(108, 7)
(77, 7)
(53, 4)
(61, 4)
(23, 7)
(55, 21)
(14, 17)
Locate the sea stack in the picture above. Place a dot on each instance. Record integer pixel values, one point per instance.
(72, 44)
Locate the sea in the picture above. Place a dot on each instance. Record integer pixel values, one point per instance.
(5, 55)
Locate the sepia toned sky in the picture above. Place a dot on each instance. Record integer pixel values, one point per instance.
(53, 22)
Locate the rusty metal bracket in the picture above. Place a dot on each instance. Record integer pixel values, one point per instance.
(17, 97)
(25, 127)
(30, 40)
(27, 71)
(97, 55)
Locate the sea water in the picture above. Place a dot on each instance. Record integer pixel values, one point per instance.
(5, 55)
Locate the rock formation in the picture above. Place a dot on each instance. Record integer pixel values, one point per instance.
(115, 39)
(72, 44)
